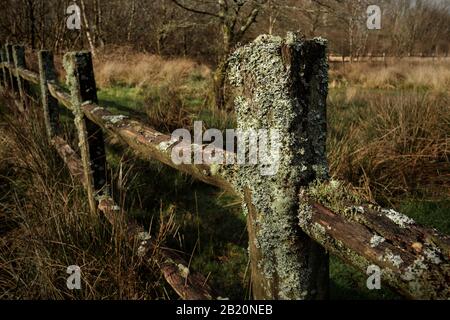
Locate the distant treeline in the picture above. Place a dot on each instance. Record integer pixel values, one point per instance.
(208, 29)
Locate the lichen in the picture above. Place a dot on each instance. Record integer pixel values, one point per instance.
(398, 218)
(396, 260)
(321, 40)
(166, 145)
(432, 255)
(415, 270)
(376, 240)
(143, 236)
(114, 119)
(214, 169)
(265, 99)
(184, 271)
(98, 108)
(142, 249)
(336, 195)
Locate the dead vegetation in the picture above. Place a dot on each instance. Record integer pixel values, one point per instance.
(123, 66)
(396, 74)
(391, 143)
(46, 227)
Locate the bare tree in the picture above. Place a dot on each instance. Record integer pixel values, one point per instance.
(235, 18)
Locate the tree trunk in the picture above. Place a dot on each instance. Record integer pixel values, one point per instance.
(220, 77)
(220, 74)
(130, 24)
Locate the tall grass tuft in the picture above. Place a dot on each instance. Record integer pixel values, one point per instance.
(391, 144)
(46, 227)
(123, 66)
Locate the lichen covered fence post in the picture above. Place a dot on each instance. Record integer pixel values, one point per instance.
(19, 63)
(47, 73)
(9, 59)
(80, 79)
(280, 85)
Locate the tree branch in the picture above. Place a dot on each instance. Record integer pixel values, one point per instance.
(250, 20)
(195, 10)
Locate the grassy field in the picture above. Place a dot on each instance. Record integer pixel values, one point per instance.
(388, 136)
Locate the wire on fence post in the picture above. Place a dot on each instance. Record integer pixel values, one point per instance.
(280, 87)
(80, 78)
(19, 63)
(47, 73)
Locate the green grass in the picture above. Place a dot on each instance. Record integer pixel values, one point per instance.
(139, 103)
(123, 100)
(347, 283)
(211, 227)
(435, 214)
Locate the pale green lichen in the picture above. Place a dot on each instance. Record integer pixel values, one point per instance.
(415, 270)
(214, 169)
(432, 254)
(335, 195)
(321, 40)
(396, 260)
(184, 271)
(142, 250)
(114, 119)
(320, 228)
(166, 145)
(97, 109)
(143, 236)
(398, 218)
(376, 240)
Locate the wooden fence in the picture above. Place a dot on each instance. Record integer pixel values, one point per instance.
(294, 218)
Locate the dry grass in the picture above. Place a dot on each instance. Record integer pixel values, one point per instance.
(122, 66)
(166, 109)
(46, 226)
(174, 91)
(397, 74)
(391, 144)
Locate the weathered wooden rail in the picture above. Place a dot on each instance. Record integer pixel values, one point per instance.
(295, 217)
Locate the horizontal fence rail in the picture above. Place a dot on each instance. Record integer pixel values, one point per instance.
(292, 223)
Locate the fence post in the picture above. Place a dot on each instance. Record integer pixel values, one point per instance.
(80, 78)
(19, 63)
(9, 60)
(47, 73)
(281, 85)
(2, 70)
